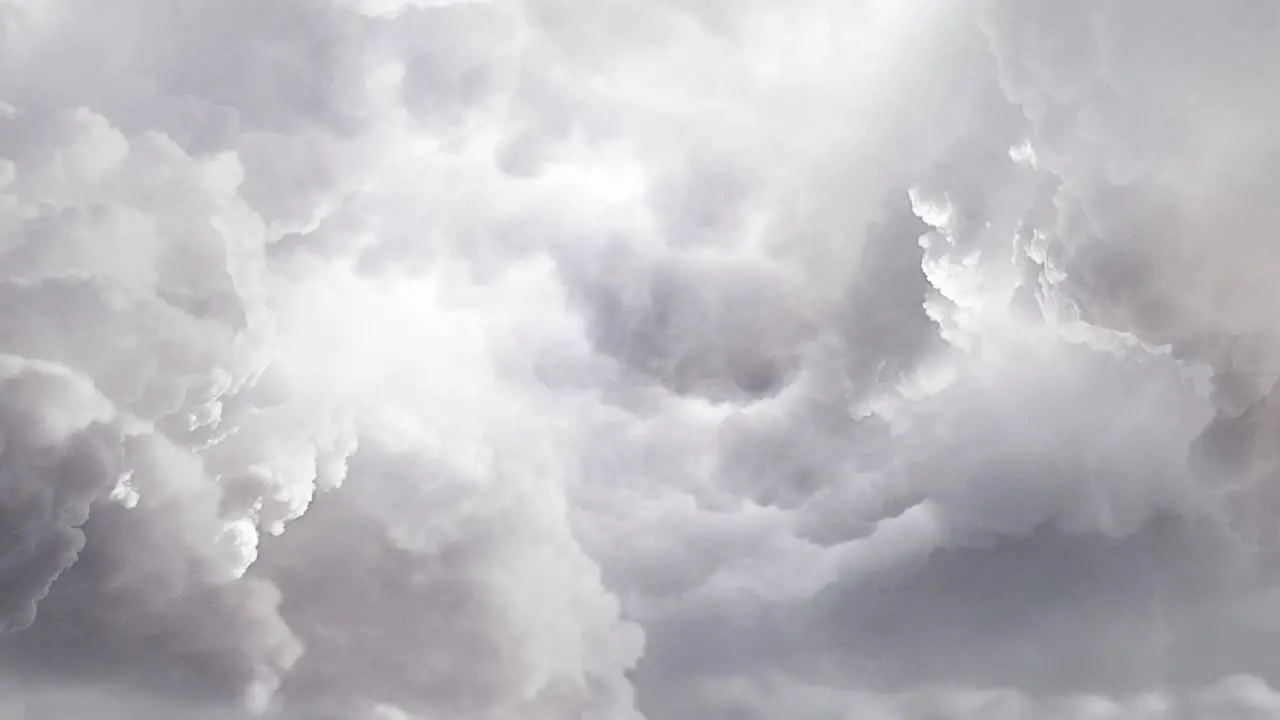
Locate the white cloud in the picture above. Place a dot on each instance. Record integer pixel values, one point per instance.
(409, 359)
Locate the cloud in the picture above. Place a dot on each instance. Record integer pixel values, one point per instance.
(407, 359)
(1238, 696)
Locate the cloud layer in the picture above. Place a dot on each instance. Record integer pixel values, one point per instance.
(411, 359)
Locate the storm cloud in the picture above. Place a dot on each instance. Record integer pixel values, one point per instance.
(619, 360)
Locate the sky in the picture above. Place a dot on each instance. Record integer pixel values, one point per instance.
(622, 360)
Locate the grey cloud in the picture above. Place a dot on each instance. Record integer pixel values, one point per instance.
(1156, 126)
(434, 631)
(57, 458)
(1239, 696)
(1024, 506)
(402, 359)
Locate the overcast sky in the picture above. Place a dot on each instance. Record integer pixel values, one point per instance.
(639, 360)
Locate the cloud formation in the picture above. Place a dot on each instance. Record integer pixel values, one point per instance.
(409, 359)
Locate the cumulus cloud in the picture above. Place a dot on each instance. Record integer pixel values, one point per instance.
(415, 359)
